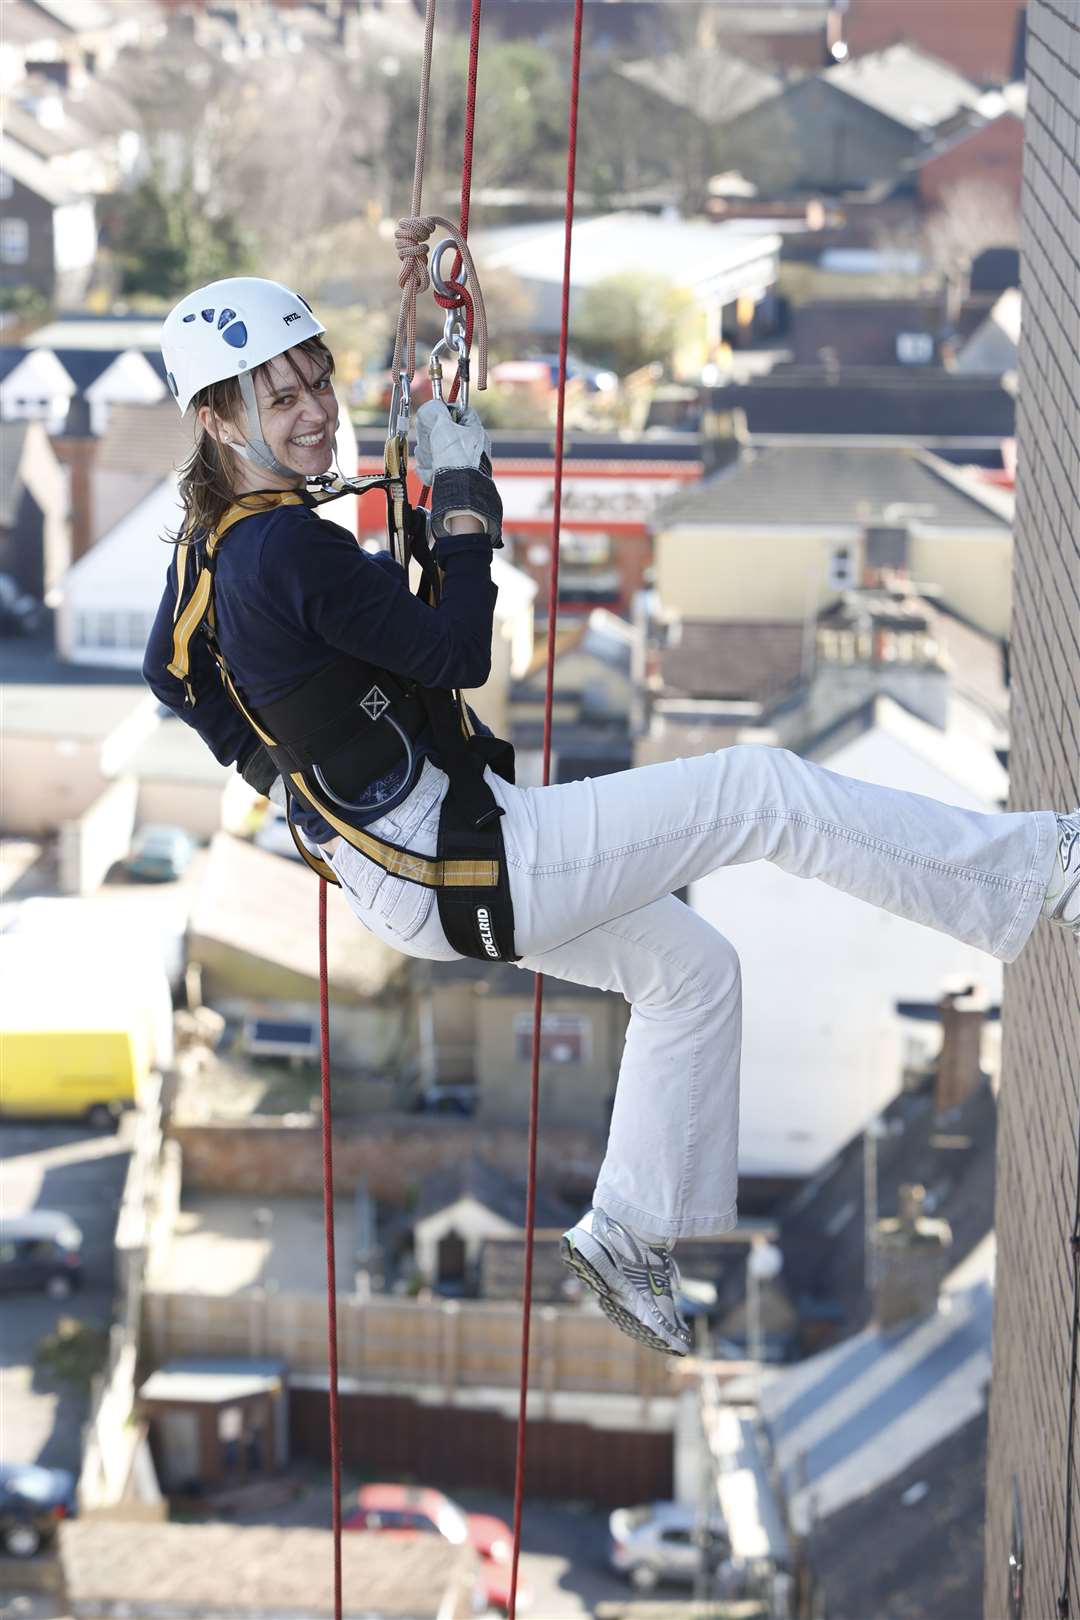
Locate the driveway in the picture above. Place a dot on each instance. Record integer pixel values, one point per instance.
(69, 1168)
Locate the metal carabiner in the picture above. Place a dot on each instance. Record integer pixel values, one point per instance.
(451, 342)
(453, 338)
(400, 406)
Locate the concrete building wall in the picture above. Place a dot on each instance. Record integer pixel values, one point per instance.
(775, 573)
(973, 571)
(1039, 1107)
(703, 573)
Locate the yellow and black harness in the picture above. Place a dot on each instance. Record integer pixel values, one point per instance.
(354, 722)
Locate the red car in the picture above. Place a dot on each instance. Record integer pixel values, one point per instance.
(411, 1510)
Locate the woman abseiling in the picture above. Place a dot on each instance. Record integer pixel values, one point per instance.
(582, 873)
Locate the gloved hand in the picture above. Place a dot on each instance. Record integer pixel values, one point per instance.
(258, 769)
(454, 458)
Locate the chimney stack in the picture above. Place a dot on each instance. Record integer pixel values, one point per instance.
(959, 1068)
(912, 1259)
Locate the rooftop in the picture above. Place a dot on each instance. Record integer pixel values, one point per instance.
(686, 251)
(114, 332)
(801, 486)
(757, 662)
(31, 171)
(734, 85)
(249, 901)
(906, 85)
(850, 1419)
(502, 1194)
(210, 1571)
(85, 713)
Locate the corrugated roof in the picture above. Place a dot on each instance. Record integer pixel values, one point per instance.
(798, 486)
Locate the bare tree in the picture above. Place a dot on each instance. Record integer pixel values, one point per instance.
(974, 215)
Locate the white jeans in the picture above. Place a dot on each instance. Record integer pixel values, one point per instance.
(592, 868)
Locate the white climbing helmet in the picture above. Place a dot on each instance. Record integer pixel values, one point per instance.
(227, 329)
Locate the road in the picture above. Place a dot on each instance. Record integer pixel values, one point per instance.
(80, 1172)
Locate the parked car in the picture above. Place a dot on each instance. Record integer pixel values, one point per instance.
(595, 378)
(411, 1510)
(664, 1541)
(160, 854)
(40, 1250)
(32, 1502)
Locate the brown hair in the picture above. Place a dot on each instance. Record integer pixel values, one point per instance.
(207, 476)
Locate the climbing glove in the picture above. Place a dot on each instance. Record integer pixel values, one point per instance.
(454, 458)
(258, 769)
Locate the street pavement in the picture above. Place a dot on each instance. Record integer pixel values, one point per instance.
(48, 1165)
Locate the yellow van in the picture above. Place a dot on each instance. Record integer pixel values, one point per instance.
(71, 1073)
(80, 1029)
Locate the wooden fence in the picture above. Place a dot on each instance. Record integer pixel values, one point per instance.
(439, 1345)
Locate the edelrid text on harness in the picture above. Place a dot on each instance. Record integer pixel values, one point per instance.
(354, 722)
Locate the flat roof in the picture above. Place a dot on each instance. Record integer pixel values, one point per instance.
(213, 1382)
(209, 1571)
(82, 713)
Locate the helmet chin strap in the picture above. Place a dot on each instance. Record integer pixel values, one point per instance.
(254, 447)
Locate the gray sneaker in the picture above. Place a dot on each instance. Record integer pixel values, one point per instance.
(1062, 903)
(635, 1281)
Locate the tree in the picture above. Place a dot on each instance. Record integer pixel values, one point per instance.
(163, 241)
(628, 320)
(974, 215)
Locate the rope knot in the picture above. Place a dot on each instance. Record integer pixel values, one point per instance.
(410, 239)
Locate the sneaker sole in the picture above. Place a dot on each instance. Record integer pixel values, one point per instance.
(611, 1305)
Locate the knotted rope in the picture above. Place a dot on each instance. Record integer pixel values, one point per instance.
(411, 241)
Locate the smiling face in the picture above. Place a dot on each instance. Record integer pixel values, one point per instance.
(298, 414)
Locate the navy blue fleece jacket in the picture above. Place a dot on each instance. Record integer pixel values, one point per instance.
(292, 592)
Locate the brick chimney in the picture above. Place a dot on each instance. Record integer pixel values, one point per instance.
(911, 1260)
(959, 1069)
(76, 448)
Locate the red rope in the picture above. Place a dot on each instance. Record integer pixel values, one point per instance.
(328, 1223)
(553, 614)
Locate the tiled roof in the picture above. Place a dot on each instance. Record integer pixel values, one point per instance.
(150, 439)
(848, 1420)
(906, 85)
(796, 485)
(498, 1192)
(731, 659)
(926, 1552)
(871, 400)
(85, 366)
(677, 79)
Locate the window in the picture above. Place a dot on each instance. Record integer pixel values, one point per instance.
(14, 241)
(7, 185)
(841, 568)
(563, 1038)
